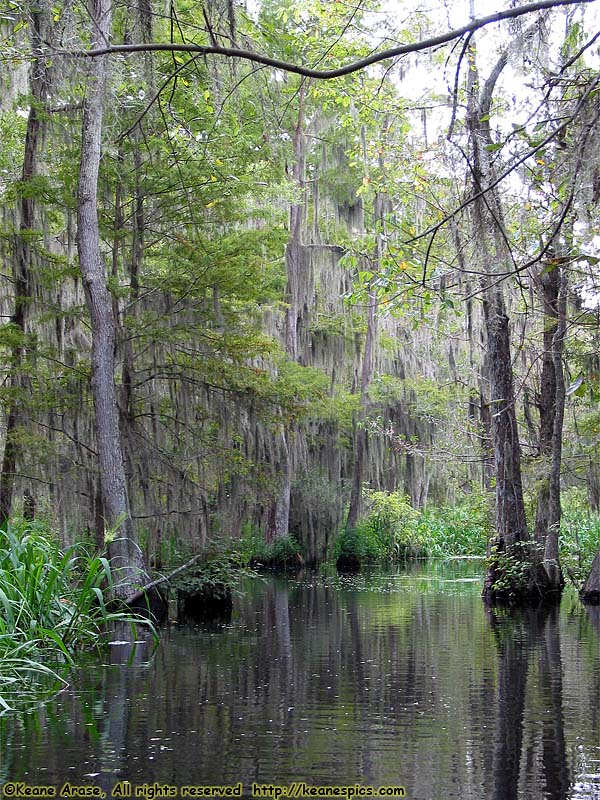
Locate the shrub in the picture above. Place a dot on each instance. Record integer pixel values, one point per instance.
(280, 553)
(218, 574)
(355, 546)
(394, 530)
(388, 533)
(512, 570)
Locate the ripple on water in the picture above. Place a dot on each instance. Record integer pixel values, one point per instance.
(396, 677)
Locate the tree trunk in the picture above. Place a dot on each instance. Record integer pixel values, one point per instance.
(125, 554)
(22, 256)
(591, 591)
(282, 506)
(136, 463)
(511, 525)
(280, 515)
(293, 250)
(380, 208)
(360, 437)
(551, 561)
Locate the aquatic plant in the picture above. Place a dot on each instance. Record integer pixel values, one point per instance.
(52, 605)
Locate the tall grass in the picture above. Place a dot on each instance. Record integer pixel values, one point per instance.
(460, 530)
(52, 605)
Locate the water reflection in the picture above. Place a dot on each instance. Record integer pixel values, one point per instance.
(529, 661)
(398, 678)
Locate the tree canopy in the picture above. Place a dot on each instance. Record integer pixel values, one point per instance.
(257, 261)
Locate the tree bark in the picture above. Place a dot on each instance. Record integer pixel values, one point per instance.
(126, 557)
(510, 511)
(293, 250)
(551, 561)
(22, 257)
(280, 516)
(591, 590)
(282, 506)
(136, 463)
(546, 400)
(511, 524)
(360, 437)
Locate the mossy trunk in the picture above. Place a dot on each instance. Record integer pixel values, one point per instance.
(514, 573)
(553, 290)
(126, 557)
(22, 260)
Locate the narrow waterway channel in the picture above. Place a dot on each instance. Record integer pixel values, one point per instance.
(391, 678)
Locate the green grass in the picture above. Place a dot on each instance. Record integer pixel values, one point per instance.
(52, 605)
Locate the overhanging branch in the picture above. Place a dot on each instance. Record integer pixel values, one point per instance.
(355, 66)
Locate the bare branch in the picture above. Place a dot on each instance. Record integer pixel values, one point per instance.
(164, 579)
(355, 66)
(512, 167)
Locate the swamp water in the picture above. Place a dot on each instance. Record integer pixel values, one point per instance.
(398, 679)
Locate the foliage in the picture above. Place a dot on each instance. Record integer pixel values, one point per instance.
(394, 530)
(12, 135)
(357, 545)
(579, 537)
(217, 574)
(52, 604)
(195, 188)
(281, 553)
(389, 532)
(461, 529)
(512, 570)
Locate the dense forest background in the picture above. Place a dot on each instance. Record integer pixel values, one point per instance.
(242, 303)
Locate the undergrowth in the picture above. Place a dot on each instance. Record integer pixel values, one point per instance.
(280, 553)
(52, 605)
(218, 574)
(579, 537)
(394, 531)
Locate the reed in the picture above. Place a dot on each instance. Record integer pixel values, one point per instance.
(52, 606)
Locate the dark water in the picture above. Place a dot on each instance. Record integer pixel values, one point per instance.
(389, 679)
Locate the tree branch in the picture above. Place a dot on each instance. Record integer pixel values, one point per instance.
(141, 592)
(355, 66)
